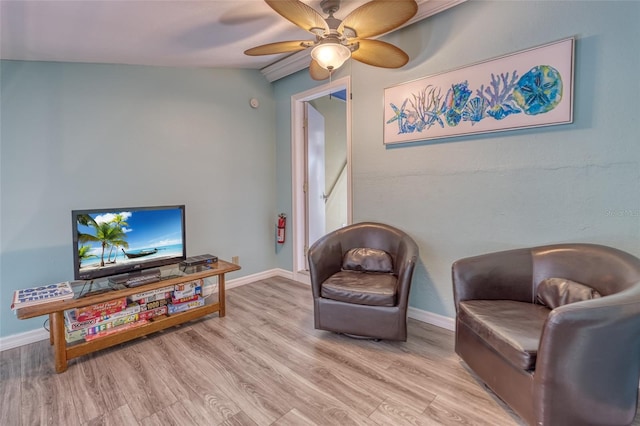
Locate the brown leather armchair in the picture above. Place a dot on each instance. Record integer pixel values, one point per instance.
(360, 277)
(554, 331)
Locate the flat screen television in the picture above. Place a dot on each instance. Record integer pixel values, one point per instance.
(125, 240)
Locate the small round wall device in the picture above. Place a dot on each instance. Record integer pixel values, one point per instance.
(254, 103)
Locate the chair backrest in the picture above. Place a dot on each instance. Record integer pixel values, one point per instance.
(371, 235)
(605, 269)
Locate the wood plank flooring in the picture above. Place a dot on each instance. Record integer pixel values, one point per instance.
(262, 364)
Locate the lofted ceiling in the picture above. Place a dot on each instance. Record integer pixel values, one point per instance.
(184, 33)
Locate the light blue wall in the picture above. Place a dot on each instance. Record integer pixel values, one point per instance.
(470, 195)
(80, 136)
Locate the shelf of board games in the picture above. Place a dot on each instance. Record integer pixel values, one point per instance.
(100, 291)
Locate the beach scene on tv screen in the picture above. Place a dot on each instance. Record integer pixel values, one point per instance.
(113, 239)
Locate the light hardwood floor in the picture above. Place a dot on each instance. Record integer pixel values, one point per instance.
(262, 364)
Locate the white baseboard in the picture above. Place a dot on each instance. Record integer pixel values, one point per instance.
(33, 336)
(247, 279)
(21, 339)
(431, 318)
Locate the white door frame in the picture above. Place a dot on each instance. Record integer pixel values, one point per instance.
(298, 167)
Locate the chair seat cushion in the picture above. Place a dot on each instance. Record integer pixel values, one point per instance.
(362, 288)
(513, 329)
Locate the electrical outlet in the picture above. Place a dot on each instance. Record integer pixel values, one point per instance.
(235, 260)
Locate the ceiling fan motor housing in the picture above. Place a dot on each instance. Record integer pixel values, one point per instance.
(330, 6)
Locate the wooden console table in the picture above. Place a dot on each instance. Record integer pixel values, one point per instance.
(63, 352)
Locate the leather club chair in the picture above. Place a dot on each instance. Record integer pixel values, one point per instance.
(360, 277)
(554, 331)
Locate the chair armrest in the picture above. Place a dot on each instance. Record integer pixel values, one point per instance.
(505, 275)
(405, 264)
(589, 359)
(325, 259)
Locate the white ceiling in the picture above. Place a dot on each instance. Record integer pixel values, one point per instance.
(212, 33)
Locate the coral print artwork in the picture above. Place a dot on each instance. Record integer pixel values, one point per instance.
(526, 89)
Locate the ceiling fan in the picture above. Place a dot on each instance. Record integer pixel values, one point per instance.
(337, 40)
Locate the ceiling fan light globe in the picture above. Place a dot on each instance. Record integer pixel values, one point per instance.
(330, 56)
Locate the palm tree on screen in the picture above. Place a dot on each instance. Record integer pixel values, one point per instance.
(83, 253)
(119, 221)
(107, 234)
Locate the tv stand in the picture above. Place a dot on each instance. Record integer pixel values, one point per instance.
(64, 352)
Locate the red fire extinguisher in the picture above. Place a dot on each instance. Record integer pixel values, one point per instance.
(282, 224)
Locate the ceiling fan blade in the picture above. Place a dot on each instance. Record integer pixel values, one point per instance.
(277, 47)
(299, 13)
(378, 17)
(380, 54)
(317, 72)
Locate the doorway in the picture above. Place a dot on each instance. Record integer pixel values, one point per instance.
(321, 170)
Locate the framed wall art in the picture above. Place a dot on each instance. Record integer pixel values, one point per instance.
(530, 88)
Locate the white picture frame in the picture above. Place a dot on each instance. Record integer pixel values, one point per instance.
(529, 88)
